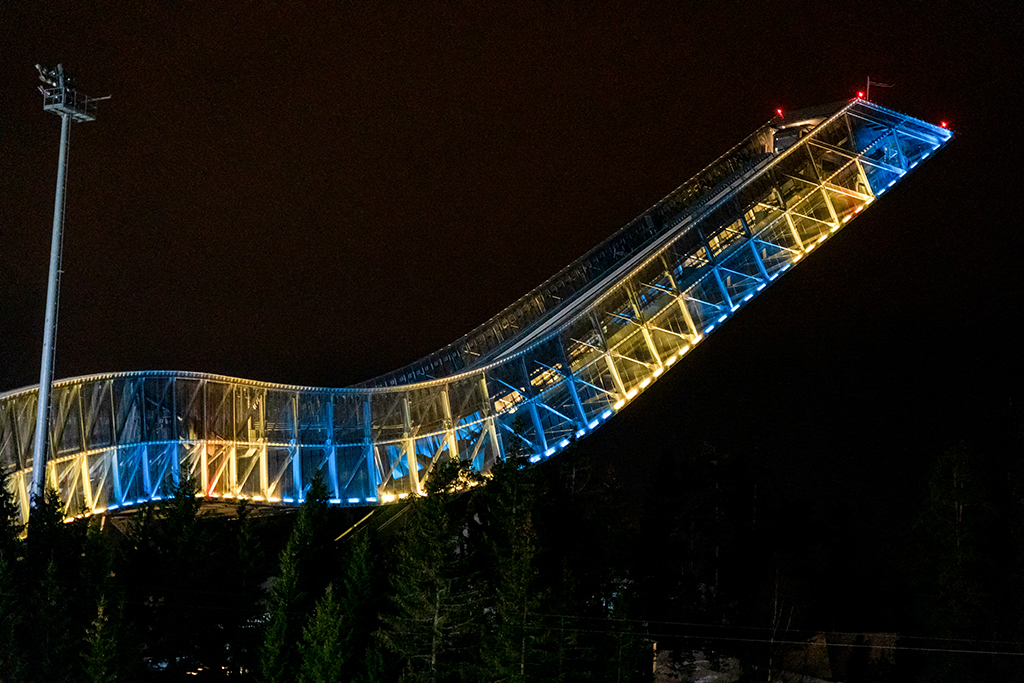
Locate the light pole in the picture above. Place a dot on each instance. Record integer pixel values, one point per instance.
(61, 98)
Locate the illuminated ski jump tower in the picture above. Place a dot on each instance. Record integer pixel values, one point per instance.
(551, 367)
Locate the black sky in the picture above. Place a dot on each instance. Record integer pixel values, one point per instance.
(316, 193)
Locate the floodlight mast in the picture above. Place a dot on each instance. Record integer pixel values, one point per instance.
(61, 98)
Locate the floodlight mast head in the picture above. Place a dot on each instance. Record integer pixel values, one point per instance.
(61, 98)
(50, 77)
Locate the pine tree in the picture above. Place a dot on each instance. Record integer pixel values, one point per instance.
(507, 510)
(374, 665)
(165, 568)
(109, 651)
(357, 599)
(952, 562)
(436, 619)
(10, 518)
(958, 510)
(184, 550)
(303, 571)
(278, 656)
(323, 652)
(245, 601)
(106, 657)
(54, 619)
(55, 639)
(11, 612)
(139, 568)
(12, 664)
(49, 538)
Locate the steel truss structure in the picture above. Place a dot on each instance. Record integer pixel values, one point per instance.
(550, 368)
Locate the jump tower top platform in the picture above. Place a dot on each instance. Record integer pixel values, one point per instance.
(551, 367)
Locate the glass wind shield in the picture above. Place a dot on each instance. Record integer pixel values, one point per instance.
(546, 371)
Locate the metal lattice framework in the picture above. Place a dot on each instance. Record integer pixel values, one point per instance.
(550, 368)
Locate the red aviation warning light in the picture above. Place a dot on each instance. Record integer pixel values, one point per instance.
(779, 112)
(944, 124)
(860, 95)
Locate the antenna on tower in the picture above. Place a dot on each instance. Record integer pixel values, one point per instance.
(867, 91)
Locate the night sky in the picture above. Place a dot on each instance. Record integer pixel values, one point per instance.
(316, 193)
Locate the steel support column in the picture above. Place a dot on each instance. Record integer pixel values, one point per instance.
(753, 248)
(449, 425)
(570, 383)
(634, 301)
(332, 452)
(412, 462)
(263, 455)
(687, 317)
(541, 440)
(616, 378)
(368, 447)
(822, 190)
(789, 219)
(497, 452)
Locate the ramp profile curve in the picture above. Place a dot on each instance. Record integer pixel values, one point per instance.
(550, 368)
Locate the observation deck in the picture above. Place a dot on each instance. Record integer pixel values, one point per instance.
(550, 368)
